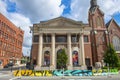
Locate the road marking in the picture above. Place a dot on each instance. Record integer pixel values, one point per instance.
(15, 78)
(4, 75)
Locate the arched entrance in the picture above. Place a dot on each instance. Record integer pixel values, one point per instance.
(61, 59)
(47, 58)
(75, 58)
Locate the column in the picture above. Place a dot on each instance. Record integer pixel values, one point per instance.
(39, 62)
(53, 52)
(82, 53)
(69, 51)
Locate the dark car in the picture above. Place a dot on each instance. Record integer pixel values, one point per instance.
(8, 65)
(29, 66)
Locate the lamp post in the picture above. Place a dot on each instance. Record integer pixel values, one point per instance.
(11, 63)
(31, 31)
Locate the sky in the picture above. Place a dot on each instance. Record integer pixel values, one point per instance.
(25, 13)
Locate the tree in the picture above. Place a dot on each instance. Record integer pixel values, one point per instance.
(111, 57)
(62, 59)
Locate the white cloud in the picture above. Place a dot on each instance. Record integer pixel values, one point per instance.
(79, 10)
(38, 10)
(109, 7)
(34, 11)
(3, 7)
(20, 21)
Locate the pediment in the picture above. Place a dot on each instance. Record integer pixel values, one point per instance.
(61, 21)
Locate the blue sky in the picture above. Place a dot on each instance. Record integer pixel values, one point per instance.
(24, 13)
(11, 6)
(67, 8)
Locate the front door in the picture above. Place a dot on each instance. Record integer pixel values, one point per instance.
(87, 61)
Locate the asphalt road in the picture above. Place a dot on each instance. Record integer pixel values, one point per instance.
(113, 77)
(13, 68)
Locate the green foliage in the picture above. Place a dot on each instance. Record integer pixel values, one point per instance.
(25, 60)
(111, 57)
(62, 59)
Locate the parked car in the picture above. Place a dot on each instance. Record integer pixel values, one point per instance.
(29, 66)
(8, 65)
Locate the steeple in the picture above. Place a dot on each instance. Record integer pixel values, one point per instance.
(93, 3)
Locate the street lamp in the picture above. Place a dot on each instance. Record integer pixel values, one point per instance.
(11, 63)
(31, 31)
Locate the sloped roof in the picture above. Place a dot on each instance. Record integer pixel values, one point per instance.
(109, 23)
(93, 10)
(62, 18)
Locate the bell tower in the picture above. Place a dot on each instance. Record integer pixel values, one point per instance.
(98, 36)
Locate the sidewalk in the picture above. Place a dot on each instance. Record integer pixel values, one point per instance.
(5, 73)
(19, 65)
(71, 77)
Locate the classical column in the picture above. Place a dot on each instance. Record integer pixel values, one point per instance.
(39, 62)
(53, 52)
(82, 53)
(69, 51)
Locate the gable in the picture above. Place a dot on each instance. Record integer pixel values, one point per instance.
(112, 24)
(114, 28)
(61, 21)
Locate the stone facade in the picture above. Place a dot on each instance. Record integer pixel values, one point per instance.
(60, 28)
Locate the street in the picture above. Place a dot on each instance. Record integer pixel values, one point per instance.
(112, 77)
(13, 68)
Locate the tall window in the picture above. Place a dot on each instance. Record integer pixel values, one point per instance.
(61, 38)
(74, 38)
(46, 58)
(36, 38)
(86, 38)
(47, 38)
(75, 58)
(116, 43)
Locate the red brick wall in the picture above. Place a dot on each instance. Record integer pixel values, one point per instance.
(34, 52)
(11, 40)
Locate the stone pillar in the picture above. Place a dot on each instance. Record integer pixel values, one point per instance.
(39, 62)
(82, 53)
(70, 65)
(53, 53)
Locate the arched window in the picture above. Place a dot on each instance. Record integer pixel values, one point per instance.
(75, 58)
(116, 43)
(46, 58)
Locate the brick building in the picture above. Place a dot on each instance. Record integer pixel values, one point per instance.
(84, 44)
(11, 40)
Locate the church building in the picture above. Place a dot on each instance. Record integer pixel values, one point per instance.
(84, 44)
